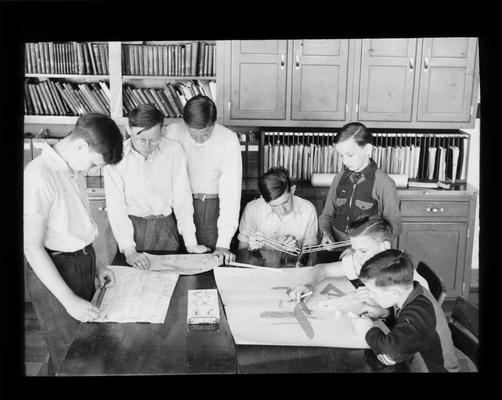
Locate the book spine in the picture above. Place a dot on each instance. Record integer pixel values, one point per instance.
(170, 111)
(27, 59)
(150, 99)
(135, 99)
(106, 58)
(64, 109)
(97, 58)
(127, 104)
(193, 62)
(200, 67)
(133, 51)
(92, 60)
(206, 59)
(176, 97)
(213, 61)
(29, 103)
(104, 61)
(188, 59)
(150, 61)
(183, 52)
(50, 100)
(67, 103)
(165, 65)
(170, 58)
(156, 60)
(158, 102)
(43, 102)
(100, 97)
(82, 106)
(172, 96)
(95, 105)
(106, 90)
(35, 100)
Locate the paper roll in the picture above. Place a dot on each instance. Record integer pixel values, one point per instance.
(326, 179)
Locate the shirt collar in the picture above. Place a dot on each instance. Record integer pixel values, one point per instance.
(367, 172)
(54, 159)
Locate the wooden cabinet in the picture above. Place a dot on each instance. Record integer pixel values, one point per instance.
(420, 83)
(447, 80)
(258, 79)
(386, 79)
(286, 82)
(105, 244)
(438, 229)
(319, 82)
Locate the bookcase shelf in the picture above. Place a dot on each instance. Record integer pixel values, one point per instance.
(50, 119)
(70, 76)
(168, 77)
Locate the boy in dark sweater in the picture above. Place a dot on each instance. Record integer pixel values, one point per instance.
(361, 190)
(419, 332)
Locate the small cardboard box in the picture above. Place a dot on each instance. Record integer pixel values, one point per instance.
(203, 307)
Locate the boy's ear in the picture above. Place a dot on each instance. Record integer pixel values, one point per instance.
(293, 188)
(80, 144)
(368, 147)
(387, 245)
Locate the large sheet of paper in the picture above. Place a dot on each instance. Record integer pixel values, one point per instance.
(183, 264)
(138, 296)
(259, 310)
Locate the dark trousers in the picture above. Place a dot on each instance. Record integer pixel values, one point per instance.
(205, 217)
(152, 235)
(57, 326)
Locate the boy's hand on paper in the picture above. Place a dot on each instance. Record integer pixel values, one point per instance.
(297, 291)
(137, 260)
(224, 255)
(362, 325)
(256, 242)
(106, 275)
(198, 249)
(327, 238)
(80, 309)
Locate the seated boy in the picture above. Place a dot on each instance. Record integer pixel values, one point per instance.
(420, 332)
(278, 214)
(368, 236)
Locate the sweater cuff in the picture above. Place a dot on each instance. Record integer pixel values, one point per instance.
(190, 240)
(223, 241)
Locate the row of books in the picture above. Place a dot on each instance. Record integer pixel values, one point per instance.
(66, 58)
(428, 157)
(170, 100)
(187, 59)
(57, 97)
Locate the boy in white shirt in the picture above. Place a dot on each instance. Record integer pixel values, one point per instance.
(145, 188)
(278, 214)
(58, 230)
(215, 171)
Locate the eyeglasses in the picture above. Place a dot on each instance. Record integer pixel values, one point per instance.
(145, 141)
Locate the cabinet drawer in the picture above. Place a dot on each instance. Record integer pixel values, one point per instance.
(434, 208)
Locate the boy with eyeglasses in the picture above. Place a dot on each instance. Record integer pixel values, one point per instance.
(145, 188)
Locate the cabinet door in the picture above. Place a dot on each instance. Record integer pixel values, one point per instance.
(386, 79)
(319, 89)
(446, 79)
(441, 246)
(105, 244)
(258, 79)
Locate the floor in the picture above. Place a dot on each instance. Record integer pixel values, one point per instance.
(36, 355)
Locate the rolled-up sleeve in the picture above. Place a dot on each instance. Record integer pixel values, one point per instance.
(327, 216)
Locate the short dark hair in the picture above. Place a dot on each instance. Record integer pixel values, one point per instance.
(102, 134)
(358, 131)
(375, 226)
(389, 267)
(274, 183)
(199, 112)
(145, 116)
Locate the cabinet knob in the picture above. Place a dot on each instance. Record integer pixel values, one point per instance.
(283, 59)
(434, 209)
(297, 61)
(426, 63)
(411, 63)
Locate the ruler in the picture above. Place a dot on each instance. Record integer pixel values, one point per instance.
(303, 321)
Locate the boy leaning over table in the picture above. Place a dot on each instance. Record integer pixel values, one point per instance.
(419, 333)
(58, 230)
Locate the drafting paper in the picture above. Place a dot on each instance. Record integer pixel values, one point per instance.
(183, 264)
(259, 310)
(138, 296)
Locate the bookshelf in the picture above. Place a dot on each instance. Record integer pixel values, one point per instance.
(154, 76)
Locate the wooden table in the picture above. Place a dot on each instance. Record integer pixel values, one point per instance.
(173, 348)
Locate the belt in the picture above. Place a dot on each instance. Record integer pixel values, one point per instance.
(204, 196)
(82, 252)
(153, 216)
